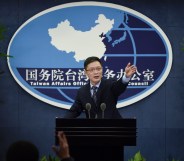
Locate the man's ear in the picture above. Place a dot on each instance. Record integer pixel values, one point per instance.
(85, 72)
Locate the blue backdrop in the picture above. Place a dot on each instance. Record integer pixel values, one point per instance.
(159, 116)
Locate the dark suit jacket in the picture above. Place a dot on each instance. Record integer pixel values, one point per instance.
(107, 93)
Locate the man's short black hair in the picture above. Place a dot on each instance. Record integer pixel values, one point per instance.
(22, 151)
(90, 60)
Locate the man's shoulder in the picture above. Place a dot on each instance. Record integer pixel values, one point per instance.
(110, 80)
(84, 87)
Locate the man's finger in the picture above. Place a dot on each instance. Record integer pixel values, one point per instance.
(60, 137)
(64, 138)
(128, 65)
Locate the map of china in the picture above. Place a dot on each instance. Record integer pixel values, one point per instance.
(84, 44)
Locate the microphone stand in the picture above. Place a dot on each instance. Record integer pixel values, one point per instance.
(88, 108)
(103, 107)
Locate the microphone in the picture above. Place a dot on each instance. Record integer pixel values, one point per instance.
(103, 107)
(88, 108)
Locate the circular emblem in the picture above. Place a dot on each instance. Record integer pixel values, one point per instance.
(49, 50)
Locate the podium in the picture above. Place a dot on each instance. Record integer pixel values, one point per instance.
(97, 139)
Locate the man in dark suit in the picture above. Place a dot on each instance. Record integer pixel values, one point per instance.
(99, 97)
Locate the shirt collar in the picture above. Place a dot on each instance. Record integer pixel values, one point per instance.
(97, 85)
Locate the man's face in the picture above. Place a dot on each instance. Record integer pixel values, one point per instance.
(94, 72)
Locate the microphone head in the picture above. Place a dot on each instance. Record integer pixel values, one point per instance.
(88, 106)
(103, 106)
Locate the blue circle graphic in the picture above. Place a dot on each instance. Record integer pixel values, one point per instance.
(49, 50)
